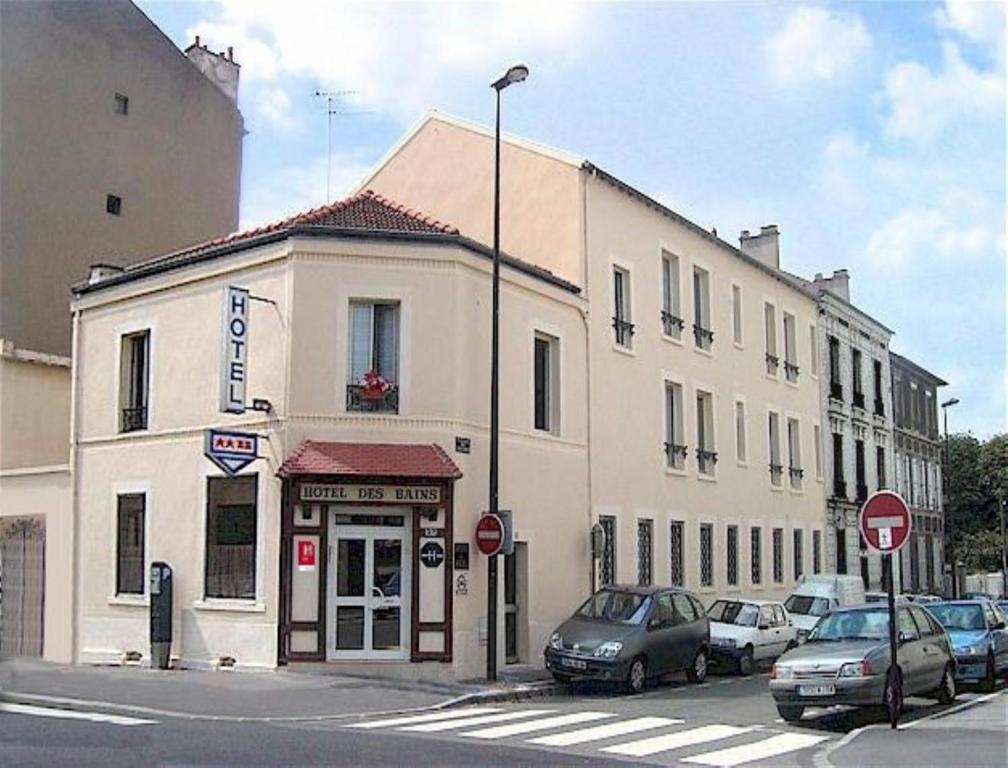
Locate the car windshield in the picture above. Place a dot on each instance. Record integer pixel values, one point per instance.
(953, 616)
(868, 624)
(730, 612)
(613, 605)
(806, 605)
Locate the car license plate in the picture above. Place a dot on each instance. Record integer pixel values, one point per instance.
(572, 663)
(817, 690)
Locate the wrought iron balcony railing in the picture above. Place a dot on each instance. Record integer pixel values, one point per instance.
(672, 325)
(791, 371)
(675, 455)
(776, 473)
(624, 331)
(134, 419)
(706, 461)
(704, 337)
(796, 474)
(772, 363)
(359, 398)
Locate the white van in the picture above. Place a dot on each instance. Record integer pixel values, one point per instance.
(816, 595)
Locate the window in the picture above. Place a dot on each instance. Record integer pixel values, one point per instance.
(706, 455)
(858, 397)
(231, 537)
(740, 432)
(703, 336)
(880, 466)
(839, 485)
(130, 544)
(859, 469)
(685, 610)
(736, 305)
(816, 551)
(134, 380)
(799, 566)
(706, 555)
(841, 550)
(113, 204)
(374, 357)
(675, 446)
(790, 349)
(770, 334)
(607, 566)
(877, 378)
(731, 554)
(676, 563)
(836, 388)
(622, 325)
(645, 540)
(121, 104)
(813, 350)
(795, 470)
(817, 439)
(671, 312)
(776, 468)
(546, 381)
(755, 554)
(778, 555)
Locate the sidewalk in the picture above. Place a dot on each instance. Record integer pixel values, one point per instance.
(236, 695)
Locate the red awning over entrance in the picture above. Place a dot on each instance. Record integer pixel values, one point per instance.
(408, 460)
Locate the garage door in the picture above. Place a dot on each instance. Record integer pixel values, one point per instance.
(22, 586)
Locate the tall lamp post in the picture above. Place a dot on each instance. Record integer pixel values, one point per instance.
(949, 553)
(515, 74)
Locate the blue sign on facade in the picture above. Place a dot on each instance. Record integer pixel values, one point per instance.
(231, 451)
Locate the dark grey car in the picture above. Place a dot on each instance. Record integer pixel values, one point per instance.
(846, 660)
(630, 635)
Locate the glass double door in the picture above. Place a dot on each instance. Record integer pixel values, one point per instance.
(369, 594)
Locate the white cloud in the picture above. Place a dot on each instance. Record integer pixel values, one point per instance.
(922, 104)
(274, 104)
(916, 235)
(981, 22)
(399, 56)
(815, 44)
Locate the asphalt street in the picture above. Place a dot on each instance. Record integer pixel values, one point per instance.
(727, 721)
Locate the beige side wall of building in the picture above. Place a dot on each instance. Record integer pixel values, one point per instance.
(34, 409)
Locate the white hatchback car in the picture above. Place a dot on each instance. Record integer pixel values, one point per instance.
(743, 632)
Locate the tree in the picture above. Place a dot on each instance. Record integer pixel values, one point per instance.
(977, 474)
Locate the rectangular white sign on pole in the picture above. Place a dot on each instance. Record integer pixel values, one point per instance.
(234, 349)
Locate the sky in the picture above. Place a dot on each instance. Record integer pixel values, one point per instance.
(873, 134)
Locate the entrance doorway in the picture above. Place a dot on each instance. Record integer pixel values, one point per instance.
(368, 591)
(516, 605)
(22, 587)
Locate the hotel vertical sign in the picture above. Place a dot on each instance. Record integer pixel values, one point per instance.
(234, 349)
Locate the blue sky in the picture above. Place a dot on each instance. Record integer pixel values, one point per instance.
(872, 133)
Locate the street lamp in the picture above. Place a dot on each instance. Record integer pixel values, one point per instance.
(949, 554)
(515, 74)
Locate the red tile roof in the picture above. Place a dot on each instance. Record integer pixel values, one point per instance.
(370, 459)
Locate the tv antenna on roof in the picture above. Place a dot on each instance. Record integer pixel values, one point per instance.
(332, 108)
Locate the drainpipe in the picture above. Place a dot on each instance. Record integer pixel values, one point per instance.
(588, 369)
(74, 494)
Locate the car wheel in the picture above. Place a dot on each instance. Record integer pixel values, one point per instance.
(893, 696)
(698, 672)
(637, 676)
(745, 662)
(990, 678)
(790, 714)
(947, 689)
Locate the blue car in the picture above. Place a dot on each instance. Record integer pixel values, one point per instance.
(978, 630)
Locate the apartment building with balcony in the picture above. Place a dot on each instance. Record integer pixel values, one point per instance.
(702, 375)
(857, 406)
(918, 475)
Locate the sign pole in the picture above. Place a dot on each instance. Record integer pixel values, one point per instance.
(888, 566)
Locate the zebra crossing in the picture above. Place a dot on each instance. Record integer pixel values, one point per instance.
(651, 738)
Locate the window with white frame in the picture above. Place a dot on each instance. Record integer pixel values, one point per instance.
(623, 328)
(740, 432)
(813, 351)
(134, 381)
(671, 311)
(677, 568)
(776, 468)
(705, 452)
(546, 382)
(706, 555)
(817, 439)
(675, 436)
(795, 471)
(778, 554)
(790, 348)
(731, 554)
(130, 523)
(232, 522)
(799, 566)
(770, 336)
(736, 304)
(703, 335)
(756, 554)
(607, 564)
(645, 547)
(373, 383)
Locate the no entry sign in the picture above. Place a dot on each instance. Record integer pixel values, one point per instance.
(489, 534)
(885, 521)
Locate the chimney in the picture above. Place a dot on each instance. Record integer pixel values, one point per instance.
(219, 68)
(100, 272)
(838, 284)
(764, 247)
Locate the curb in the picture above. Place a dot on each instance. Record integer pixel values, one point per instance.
(507, 695)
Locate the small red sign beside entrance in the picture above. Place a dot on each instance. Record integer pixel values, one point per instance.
(885, 521)
(306, 554)
(489, 534)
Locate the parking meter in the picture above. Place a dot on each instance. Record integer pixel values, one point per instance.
(160, 614)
